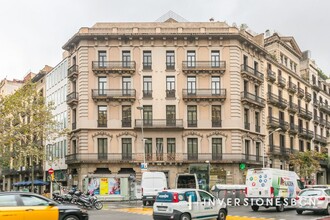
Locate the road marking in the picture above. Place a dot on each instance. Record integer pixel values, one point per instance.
(148, 211)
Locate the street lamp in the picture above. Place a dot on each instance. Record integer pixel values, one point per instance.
(263, 150)
(144, 151)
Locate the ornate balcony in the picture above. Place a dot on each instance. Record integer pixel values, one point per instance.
(316, 87)
(308, 97)
(271, 75)
(320, 139)
(198, 67)
(281, 81)
(292, 88)
(323, 122)
(113, 67)
(280, 151)
(208, 95)
(305, 134)
(252, 74)
(324, 108)
(252, 100)
(301, 93)
(72, 99)
(316, 103)
(73, 72)
(111, 95)
(305, 114)
(164, 158)
(275, 123)
(292, 108)
(277, 101)
(316, 119)
(159, 123)
(293, 129)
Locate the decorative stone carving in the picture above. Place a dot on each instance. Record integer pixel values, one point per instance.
(214, 133)
(247, 135)
(101, 133)
(126, 133)
(189, 133)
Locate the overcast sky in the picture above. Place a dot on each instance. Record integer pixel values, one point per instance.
(34, 31)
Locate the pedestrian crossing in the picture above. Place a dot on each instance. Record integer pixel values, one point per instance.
(148, 211)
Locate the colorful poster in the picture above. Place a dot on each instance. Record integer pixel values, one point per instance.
(114, 186)
(94, 186)
(104, 186)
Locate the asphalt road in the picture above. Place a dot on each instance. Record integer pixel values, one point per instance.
(125, 211)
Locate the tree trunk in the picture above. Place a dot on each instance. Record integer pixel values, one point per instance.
(32, 178)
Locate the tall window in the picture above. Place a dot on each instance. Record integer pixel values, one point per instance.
(147, 115)
(191, 85)
(74, 147)
(126, 86)
(246, 86)
(245, 62)
(257, 121)
(291, 144)
(148, 148)
(216, 148)
(74, 119)
(215, 85)
(159, 149)
(102, 58)
(147, 87)
(126, 59)
(102, 148)
(170, 115)
(102, 116)
(192, 115)
(215, 58)
(282, 142)
(171, 149)
(301, 145)
(191, 58)
(246, 119)
(256, 66)
(216, 115)
(247, 149)
(147, 60)
(170, 87)
(126, 148)
(257, 151)
(126, 116)
(102, 83)
(192, 148)
(170, 60)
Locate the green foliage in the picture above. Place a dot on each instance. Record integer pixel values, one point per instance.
(322, 75)
(26, 123)
(307, 162)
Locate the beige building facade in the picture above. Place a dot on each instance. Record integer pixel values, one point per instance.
(191, 92)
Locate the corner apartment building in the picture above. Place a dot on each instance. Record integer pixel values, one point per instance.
(191, 93)
(200, 86)
(56, 150)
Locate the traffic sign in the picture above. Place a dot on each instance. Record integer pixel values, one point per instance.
(144, 166)
(50, 171)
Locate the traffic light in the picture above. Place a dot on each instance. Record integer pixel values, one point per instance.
(242, 166)
(52, 177)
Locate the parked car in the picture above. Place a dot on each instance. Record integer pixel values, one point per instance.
(314, 199)
(151, 184)
(271, 187)
(25, 205)
(187, 204)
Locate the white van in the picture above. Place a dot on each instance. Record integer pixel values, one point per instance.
(271, 187)
(151, 184)
(186, 181)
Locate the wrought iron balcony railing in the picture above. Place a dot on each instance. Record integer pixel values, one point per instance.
(305, 114)
(160, 157)
(159, 123)
(277, 100)
(73, 72)
(251, 73)
(113, 67)
(292, 87)
(301, 93)
(277, 123)
(197, 67)
(113, 94)
(252, 99)
(204, 94)
(72, 98)
(271, 75)
(281, 81)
